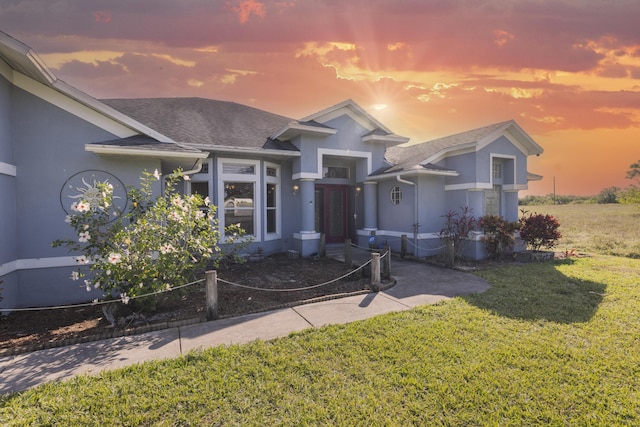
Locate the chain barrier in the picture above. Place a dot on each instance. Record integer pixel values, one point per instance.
(426, 249)
(255, 288)
(95, 303)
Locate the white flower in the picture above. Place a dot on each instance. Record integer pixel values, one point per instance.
(125, 299)
(207, 201)
(75, 275)
(87, 285)
(94, 301)
(67, 219)
(156, 175)
(82, 259)
(174, 216)
(108, 272)
(199, 215)
(96, 285)
(81, 206)
(84, 236)
(114, 258)
(187, 178)
(166, 248)
(167, 286)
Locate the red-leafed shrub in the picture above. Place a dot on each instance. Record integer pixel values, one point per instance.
(539, 231)
(499, 235)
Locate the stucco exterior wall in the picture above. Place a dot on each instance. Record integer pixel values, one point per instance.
(48, 149)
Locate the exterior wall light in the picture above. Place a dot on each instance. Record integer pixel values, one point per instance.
(296, 187)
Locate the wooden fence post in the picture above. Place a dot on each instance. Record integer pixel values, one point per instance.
(212, 294)
(375, 271)
(347, 252)
(403, 246)
(449, 253)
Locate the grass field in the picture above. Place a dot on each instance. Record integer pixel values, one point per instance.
(612, 229)
(549, 344)
(554, 343)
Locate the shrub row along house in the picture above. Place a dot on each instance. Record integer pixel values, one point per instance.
(338, 172)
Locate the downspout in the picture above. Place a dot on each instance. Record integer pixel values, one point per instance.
(197, 167)
(415, 213)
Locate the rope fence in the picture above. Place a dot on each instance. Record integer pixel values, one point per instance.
(374, 263)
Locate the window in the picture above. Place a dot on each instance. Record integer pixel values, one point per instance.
(272, 200)
(396, 195)
(239, 200)
(239, 192)
(335, 172)
(497, 170)
(201, 188)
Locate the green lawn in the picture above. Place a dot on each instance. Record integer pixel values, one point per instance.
(549, 344)
(607, 229)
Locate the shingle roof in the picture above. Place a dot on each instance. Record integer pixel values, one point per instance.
(143, 142)
(205, 122)
(411, 156)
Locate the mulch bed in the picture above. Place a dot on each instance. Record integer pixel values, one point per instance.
(33, 330)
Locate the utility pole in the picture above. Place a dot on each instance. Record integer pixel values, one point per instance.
(554, 190)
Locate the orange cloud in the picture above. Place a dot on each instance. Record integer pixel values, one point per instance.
(248, 7)
(102, 16)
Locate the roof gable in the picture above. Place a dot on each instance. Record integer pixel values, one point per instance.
(473, 140)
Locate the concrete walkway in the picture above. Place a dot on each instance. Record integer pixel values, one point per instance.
(417, 284)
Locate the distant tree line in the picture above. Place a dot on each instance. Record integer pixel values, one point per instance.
(628, 195)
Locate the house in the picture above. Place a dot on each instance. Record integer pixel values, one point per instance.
(338, 172)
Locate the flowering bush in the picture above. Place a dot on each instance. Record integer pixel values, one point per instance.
(499, 234)
(154, 246)
(539, 231)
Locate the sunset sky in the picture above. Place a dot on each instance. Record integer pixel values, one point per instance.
(567, 71)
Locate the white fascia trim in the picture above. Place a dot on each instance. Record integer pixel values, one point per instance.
(81, 105)
(398, 234)
(469, 186)
(302, 128)
(411, 173)
(385, 139)
(334, 152)
(306, 235)
(114, 150)
(515, 188)
(344, 153)
(450, 152)
(35, 263)
(72, 106)
(350, 109)
(8, 169)
(236, 150)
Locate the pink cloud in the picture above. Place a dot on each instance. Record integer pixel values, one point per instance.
(246, 8)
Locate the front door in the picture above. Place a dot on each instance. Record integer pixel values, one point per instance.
(331, 212)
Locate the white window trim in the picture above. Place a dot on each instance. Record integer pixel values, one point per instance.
(246, 178)
(494, 156)
(277, 181)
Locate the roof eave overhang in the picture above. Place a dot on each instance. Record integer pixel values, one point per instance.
(411, 173)
(293, 129)
(387, 140)
(253, 151)
(138, 152)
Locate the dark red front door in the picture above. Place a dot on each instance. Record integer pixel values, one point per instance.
(331, 212)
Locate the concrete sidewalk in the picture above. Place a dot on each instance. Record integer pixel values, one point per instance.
(417, 284)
